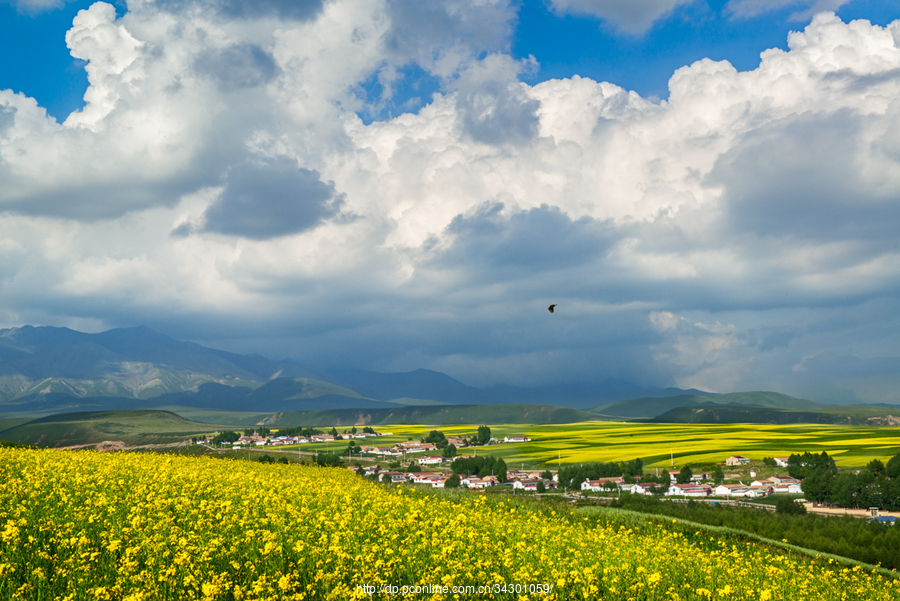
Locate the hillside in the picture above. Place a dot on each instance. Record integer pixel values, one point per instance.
(732, 414)
(129, 427)
(105, 522)
(653, 407)
(434, 415)
(48, 369)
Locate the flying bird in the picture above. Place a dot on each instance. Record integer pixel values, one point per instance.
(550, 308)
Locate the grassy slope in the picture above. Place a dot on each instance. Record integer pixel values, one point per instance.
(130, 427)
(688, 443)
(849, 414)
(651, 407)
(12, 422)
(433, 414)
(236, 419)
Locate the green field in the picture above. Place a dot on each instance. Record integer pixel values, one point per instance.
(146, 526)
(687, 443)
(129, 427)
(550, 444)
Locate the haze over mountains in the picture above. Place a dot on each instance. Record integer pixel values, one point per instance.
(52, 370)
(43, 368)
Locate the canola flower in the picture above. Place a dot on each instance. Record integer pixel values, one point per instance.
(80, 525)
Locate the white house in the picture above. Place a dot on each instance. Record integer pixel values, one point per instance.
(731, 490)
(737, 460)
(602, 483)
(781, 461)
(781, 484)
(641, 489)
(516, 439)
(688, 490)
(526, 484)
(431, 460)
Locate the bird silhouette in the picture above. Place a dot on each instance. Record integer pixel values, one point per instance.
(550, 308)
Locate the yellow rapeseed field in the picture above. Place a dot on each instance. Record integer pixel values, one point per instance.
(87, 525)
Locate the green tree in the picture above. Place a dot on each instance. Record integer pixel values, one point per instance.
(452, 481)
(328, 459)
(685, 475)
(845, 491)
(788, 505)
(718, 476)
(540, 486)
(500, 470)
(876, 467)
(546, 475)
(437, 438)
(352, 449)
(800, 466)
(224, 437)
(449, 451)
(817, 486)
(484, 435)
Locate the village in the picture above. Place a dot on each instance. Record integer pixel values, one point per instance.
(535, 481)
(544, 481)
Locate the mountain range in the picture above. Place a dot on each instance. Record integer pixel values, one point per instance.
(47, 369)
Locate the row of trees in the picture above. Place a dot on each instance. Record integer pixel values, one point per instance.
(299, 431)
(480, 466)
(878, 485)
(439, 439)
(223, 437)
(572, 476)
(845, 536)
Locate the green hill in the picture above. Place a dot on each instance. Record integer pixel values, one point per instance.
(90, 427)
(433, 415)
(864, 415)
(653, 407)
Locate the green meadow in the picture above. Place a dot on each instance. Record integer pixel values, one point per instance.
(659, 444)
(550, 445)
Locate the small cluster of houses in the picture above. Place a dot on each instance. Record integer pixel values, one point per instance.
(278, 441)
(398, 450)
(401, 448)
(698, 488)
(520, 480)
(740, 460)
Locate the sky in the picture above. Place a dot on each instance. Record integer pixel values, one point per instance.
(708, 190)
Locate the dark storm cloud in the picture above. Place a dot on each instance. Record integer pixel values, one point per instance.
(271, 199)
(238, 66)
(300, 10)
(832, 364)
(539, 239)
(804, 177)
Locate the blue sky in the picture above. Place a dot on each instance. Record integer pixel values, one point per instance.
(396, 184)
(564, 45)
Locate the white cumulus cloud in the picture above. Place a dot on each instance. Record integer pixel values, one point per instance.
(220, 173)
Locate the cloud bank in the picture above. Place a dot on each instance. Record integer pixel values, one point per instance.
(220, 185)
